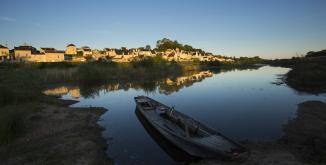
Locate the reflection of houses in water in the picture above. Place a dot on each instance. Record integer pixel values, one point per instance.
(118, 86)
(165, 86)
(189, 78)
(59, 91)
(179, 81)
(75, 93)
(173, 85)
(56, 91)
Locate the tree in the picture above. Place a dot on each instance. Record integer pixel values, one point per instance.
(165, 44)
(148, 47)
(188, 48)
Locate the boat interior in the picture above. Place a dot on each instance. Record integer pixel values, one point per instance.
(178, 121)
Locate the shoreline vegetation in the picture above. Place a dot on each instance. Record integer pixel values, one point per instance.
(25, 109)
(308, 73)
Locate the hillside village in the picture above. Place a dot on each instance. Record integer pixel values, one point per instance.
(27, 53)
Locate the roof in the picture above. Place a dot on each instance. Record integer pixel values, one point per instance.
(108, 49)
(1, 46)
(86, 49)
(71, 45)
(37, 53)
(48, 49)
(53, 51)
(25, 48)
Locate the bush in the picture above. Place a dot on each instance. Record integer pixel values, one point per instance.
(150, 62)
(211, 63)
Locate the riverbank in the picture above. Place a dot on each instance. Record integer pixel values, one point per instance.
(310, 77)
(57, 134)
(303, 143)
(307, 74)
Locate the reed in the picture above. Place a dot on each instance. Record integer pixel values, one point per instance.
(11, 124)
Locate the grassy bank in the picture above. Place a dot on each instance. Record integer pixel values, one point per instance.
(308, 74)
(54, 134)
(310, 77)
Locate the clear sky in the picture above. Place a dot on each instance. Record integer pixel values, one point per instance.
(267, 28)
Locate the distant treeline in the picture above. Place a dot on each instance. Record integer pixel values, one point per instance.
(321, 53)
(308, 58)
(165, 44)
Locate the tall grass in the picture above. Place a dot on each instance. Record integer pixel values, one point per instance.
(58, 75)
(12, 124)
(18, 87)
(98, 72)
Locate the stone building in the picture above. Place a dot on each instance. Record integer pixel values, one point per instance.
(110, 52)
(36, 57)
(71, 49)
(87, 51)
(22, 53)
(4, 52)
(31, 54)
(53, 55)
(98, 54)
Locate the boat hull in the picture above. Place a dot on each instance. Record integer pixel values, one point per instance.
(187, 134)
(187, 146)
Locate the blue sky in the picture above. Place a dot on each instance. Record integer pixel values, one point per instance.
(267, 28)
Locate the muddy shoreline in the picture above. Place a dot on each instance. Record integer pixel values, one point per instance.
(59, 134)
(303, 143)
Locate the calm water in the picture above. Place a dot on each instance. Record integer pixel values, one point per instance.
(242, 104)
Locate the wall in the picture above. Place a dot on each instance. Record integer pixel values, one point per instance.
(54, 57)
(21, 55)
(71, 50)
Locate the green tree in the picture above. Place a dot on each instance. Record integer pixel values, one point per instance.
(148, 47)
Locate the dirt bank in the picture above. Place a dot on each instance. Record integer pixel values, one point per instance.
(304, 141)
(306, 134)
(58, 134)
(262, 153)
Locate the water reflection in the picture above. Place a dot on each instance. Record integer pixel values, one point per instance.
(74, 92)
(165, 86)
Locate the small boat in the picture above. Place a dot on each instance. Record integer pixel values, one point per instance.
(178, 155)
(188, 134)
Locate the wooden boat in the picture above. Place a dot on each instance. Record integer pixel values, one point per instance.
(178, 155)
(188, 134)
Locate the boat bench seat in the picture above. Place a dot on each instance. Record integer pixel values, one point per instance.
(182, 122)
